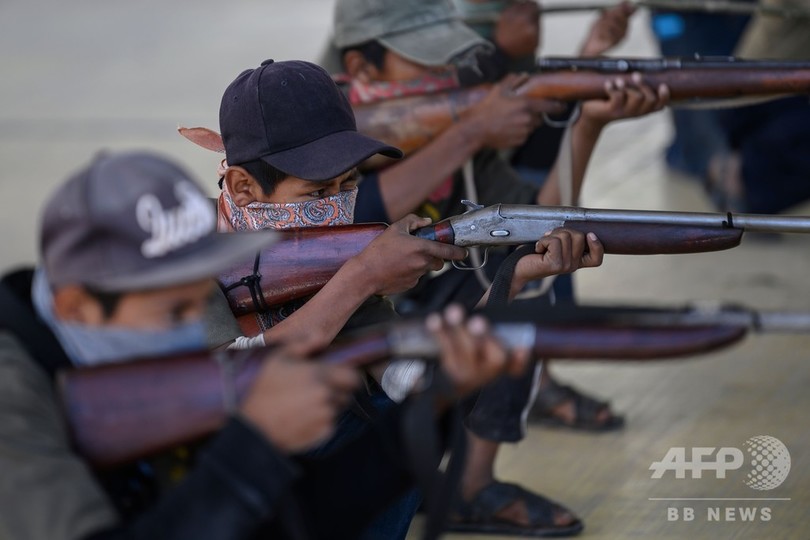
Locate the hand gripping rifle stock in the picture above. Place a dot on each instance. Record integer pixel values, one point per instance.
(121, 412)
(305, 259)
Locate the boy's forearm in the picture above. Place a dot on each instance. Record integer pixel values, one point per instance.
(405, 185)
(584, 137)
(325, 314)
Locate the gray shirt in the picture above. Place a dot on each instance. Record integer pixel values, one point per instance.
(46, 492)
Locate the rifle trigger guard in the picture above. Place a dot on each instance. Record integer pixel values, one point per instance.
(564, 123)
(458, 266)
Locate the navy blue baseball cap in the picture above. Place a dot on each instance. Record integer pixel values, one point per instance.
(293, 116)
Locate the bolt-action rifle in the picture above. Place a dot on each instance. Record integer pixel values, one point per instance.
(409, 123)
(121, 412)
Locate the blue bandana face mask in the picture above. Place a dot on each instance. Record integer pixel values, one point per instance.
(91, 345)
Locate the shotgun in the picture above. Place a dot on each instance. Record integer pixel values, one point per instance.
(305, 259)
(122, 412)
(410, 123)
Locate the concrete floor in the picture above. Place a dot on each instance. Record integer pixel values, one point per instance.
(84, 75)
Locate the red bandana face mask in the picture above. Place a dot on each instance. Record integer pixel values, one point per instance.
(360, 93)
(336, 209)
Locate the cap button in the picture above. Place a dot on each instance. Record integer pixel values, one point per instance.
(267, 62)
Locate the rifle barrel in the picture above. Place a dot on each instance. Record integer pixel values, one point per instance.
(728, 7)
(627, 65)
(748, 222)
(700, 314)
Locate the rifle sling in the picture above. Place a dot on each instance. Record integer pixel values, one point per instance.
(422, 436)
(502, 284)
(253, 284)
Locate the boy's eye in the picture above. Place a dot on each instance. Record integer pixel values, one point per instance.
(185, 312)
(318, 194)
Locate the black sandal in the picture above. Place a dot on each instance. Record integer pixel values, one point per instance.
(478, 515)
(586, 409)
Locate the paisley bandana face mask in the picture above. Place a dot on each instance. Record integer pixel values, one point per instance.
(333, 210)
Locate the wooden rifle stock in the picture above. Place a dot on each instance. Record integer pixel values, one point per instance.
(122, 412)
(295, 267)
(658, 239)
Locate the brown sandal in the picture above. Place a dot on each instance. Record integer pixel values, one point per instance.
(586, 409)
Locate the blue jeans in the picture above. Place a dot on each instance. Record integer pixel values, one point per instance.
(698, 133)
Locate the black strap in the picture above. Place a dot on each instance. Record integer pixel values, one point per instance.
(502, 283)
(253, 282)
(421, 435)
(17, 315)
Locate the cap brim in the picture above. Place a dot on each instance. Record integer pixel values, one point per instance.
(211, 257)
(329, 156)
(434, 45)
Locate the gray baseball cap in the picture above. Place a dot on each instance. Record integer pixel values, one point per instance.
(427, 32)
(135, 221)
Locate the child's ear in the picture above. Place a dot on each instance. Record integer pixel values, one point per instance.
(357, 67)
(241, 185)
(72, 303)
